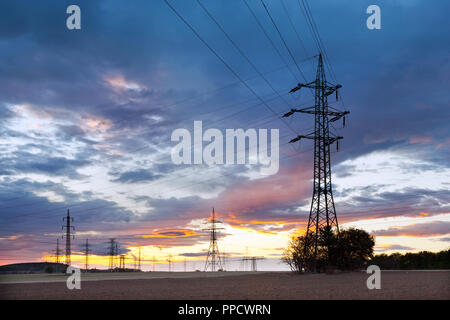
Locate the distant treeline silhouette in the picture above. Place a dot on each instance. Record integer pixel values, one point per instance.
(409, 261)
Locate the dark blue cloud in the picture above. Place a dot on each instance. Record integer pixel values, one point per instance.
(140, 175)
(25, 162)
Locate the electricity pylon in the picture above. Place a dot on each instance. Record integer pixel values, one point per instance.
(139, 260)
(323, 212)
(69, 234)
(253, 262)
(57, 251)
(86, 255)
(169, 261)
(112, 253)
(213, 258)
(122, 262)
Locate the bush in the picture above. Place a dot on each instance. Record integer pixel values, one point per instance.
(347, 250)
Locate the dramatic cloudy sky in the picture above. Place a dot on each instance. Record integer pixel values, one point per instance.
(86, 118)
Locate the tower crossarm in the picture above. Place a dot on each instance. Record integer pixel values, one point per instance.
(338, 115)
(327, 89)
(311, 85)
(298, 138)
(311, 110)
(210, 229)
(331, 140)
(331, 89)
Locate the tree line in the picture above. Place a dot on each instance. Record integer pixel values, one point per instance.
(422, 260)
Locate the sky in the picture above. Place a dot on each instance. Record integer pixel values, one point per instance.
(86, 118)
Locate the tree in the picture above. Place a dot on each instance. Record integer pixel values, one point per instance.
(347, 250)
(355, 248)
(295, 255)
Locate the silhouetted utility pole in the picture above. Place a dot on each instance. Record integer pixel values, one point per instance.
(322, 213)
(112, 252)
(170, 262)
(122, 262)
(184, 264)
(69, 234)
(139, 259)
(213, 258)
(116, 255)
(86, 255)
(57, 251)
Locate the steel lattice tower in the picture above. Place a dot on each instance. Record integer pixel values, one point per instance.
(122, 262)
(322, 213)
(139, 260)
(213, 259)
(86, 255)
(112, 253)
(69, 234)
(57, 251)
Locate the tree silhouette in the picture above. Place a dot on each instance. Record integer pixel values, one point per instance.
(347, 250)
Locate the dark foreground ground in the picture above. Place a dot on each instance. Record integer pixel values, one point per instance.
(276, 285)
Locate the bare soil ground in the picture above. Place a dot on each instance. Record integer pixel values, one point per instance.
(230, 285)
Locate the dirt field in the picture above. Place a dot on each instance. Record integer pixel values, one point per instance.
(230, 285)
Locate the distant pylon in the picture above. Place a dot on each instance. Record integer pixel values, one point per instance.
(122, 262)
(112, 252)
(213, 259)
(86, 255)
(184, 264)
(57, 251)
(322, 213)
(139, 259)
(116, 254)
(253, 262)
(69, 234)
(169, 260)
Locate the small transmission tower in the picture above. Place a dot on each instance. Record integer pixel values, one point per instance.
(139, 260)
(86, 255)
(112, 254)
(213, 259)
(322, 213)
(69, 235)
(253, 262)
(122, 262)
(169, 261)
(57, 251)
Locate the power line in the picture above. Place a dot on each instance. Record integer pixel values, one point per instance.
(269, 39)
(223, 61)
(282, 39)
(294, 28)
(240, 51)
(316, 36)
